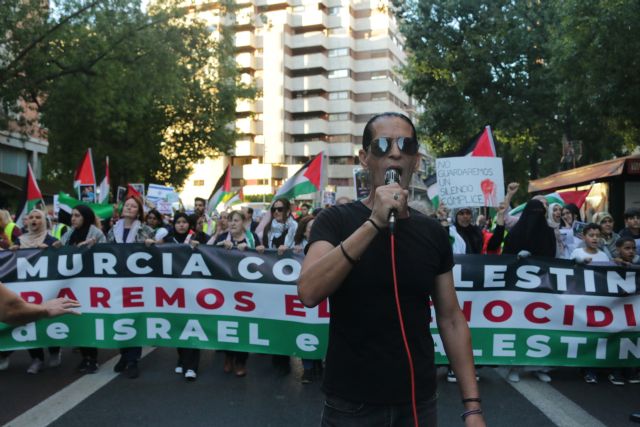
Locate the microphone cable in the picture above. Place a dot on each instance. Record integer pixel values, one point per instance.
(402, 330)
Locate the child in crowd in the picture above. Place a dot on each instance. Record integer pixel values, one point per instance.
(590, 252)
(627, 255)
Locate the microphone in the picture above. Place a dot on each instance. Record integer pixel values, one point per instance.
(392, 175)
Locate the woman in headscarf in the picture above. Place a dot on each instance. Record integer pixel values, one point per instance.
(607, 235)
(182, 234)
(531, 235)
(238, 237)
(154, 221)
(130, 228)
(83, 232)
(37, 236)
(470, 233)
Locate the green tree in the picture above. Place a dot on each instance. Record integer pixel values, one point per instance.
(145, 88)
(501, 63)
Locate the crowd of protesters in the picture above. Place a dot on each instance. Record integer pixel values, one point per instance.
(541, 229)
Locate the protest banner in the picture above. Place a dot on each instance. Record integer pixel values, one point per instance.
(470, 181)
(361, 182)
(531, 311)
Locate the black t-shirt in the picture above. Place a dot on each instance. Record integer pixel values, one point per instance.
(366, 360)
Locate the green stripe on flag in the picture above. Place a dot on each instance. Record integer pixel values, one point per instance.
(102, 211)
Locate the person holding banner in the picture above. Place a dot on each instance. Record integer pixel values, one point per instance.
(130, 228)
(37, 236)
(9, 231)
(238, 237)
(181, 233)
(532, 235)
(83, 232)
(380, 366)
(279, 234)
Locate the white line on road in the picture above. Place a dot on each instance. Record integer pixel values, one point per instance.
(555, 405)
(56, 405)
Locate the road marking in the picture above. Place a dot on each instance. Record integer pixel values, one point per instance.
(58, 404)
(556, 406)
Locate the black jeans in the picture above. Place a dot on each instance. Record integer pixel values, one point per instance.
(338, 412)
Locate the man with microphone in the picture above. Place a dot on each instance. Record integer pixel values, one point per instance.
(380, 362)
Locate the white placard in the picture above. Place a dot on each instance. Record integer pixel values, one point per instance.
(470, 181)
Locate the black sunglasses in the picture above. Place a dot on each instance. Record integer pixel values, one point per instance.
(381, 146)
(277, 209)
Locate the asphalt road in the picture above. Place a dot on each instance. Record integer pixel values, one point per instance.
(61, 397)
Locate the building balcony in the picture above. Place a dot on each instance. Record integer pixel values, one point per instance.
(300, 105)
(310, 18)
(315, 38)
(311, 148)
(248, 148)
(249, 126)
(375, 64)
(245, 39)
(300, 62)
(306, 126)
(254, 190)
(306, 83)
(378, 85)
(248, 60)
(340, 171)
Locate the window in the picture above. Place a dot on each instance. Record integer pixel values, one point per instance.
(377, 75)
(198, 182)
(338, 116)
(336, 74)
(343, 51)
(299, 8)
(339, 95)
(334, 10)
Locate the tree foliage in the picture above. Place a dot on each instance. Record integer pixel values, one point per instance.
(147, 88)
(532, 70)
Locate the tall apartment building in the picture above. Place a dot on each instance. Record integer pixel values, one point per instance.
(323, 68)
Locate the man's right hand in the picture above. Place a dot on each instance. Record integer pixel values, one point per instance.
(386, 198)
(60, 306)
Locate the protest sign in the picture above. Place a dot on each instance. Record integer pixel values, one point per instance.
(532, 311)
(361, 182)
(470, 181)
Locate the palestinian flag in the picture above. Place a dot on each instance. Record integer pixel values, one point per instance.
(32, 196)
(67, 203)
(131, 191)
(235, 199)
(577, 197)
(221, 192)
(85, 174)
(433, 190)
(481, 145)
(103, 190)
(307, 180)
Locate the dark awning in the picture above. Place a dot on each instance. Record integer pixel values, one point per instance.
(582, 175)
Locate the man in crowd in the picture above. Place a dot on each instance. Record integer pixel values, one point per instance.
(199, 206)
(631, 225)
(369, 374)
(304, 210)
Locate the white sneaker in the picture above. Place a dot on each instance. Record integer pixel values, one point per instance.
(178, 370)
(190, 375)
(4, 363)
(55, 360)
(542, 376)
(513, 376)
(35, 367)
